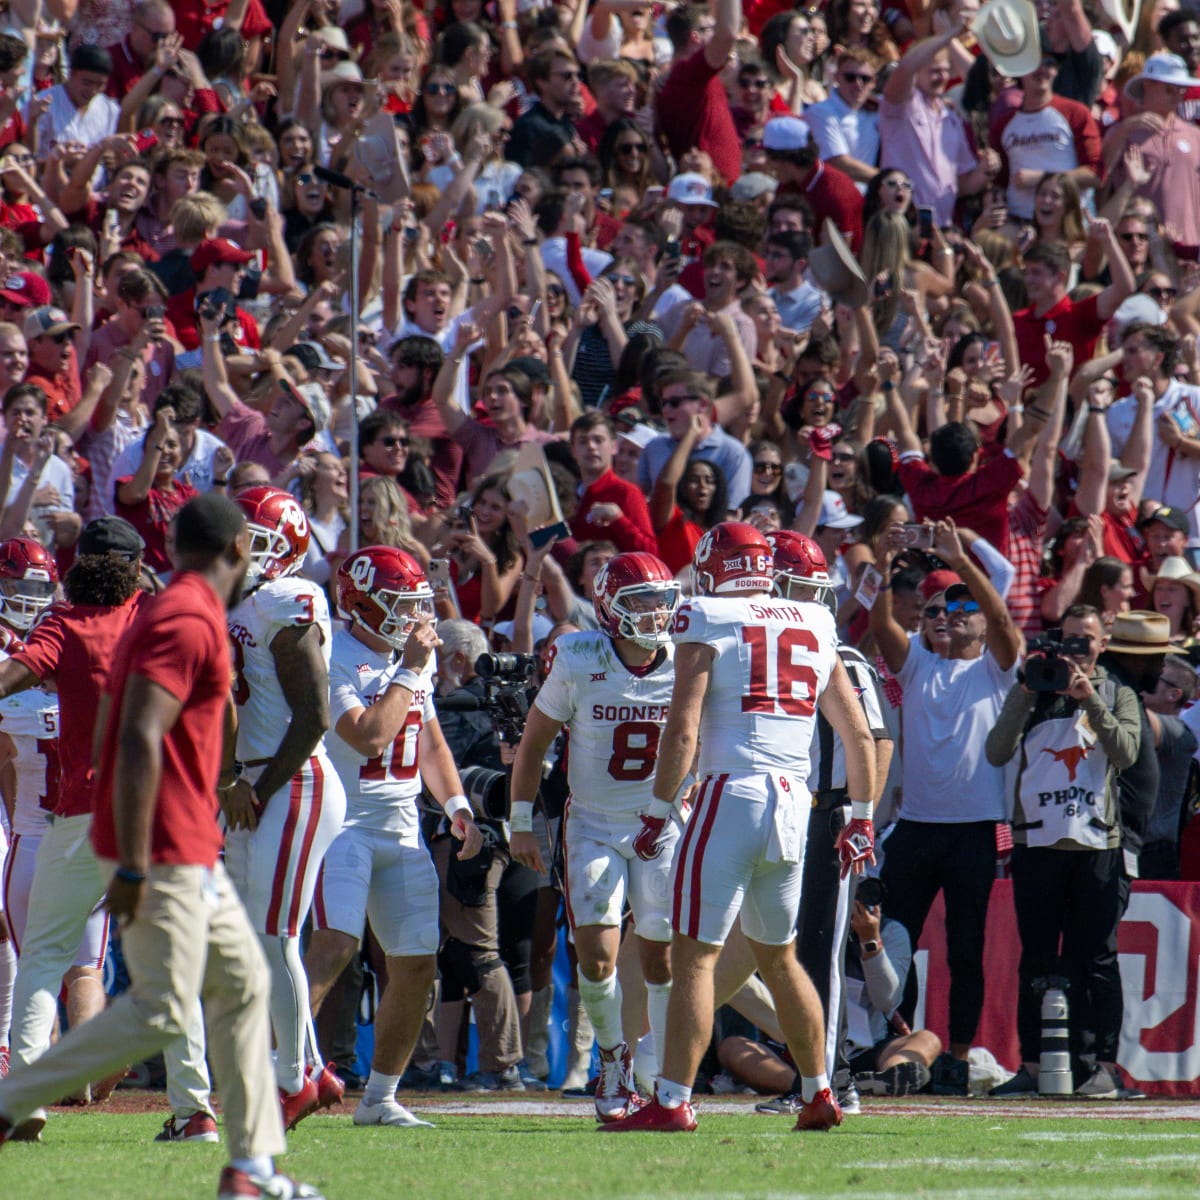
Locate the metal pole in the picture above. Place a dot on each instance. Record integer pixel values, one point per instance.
(354, 369)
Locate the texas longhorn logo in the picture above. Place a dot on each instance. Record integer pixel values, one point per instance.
(1070, 758)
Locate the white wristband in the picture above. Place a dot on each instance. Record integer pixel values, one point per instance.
(861, 810)
(406, 679)
(455, 805)
(520, 820)
(659, 809)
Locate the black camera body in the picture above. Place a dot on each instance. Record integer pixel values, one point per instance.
(1048, 666)
(507, 684)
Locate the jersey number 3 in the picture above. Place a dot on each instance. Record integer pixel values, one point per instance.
(762, 696)
(635, 750)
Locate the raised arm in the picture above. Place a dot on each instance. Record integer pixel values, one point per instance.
(729, 24)
(662, 498)
(903, 78)
(466, 335)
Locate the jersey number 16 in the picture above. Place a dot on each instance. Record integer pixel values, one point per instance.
(766, 693)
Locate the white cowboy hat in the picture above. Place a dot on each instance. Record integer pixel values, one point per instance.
(1123, 14)
(836, 271)
(1007, 32)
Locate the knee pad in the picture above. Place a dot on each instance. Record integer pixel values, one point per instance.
(463, 968)
(517, 962)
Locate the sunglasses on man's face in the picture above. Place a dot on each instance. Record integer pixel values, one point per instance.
(392, 442)
(676, 401)
(857, 77)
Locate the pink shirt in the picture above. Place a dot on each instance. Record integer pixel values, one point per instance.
(1173, 159)
(927, 140)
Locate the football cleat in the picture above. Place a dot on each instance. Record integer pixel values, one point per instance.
(199, 1127)
(330, 1087)
(635, 597)
(238, 1185)
(616, 1096)
(387, 1112)
(28, 1130)
(821, 1113)
(654, 1118)
(298, 1105)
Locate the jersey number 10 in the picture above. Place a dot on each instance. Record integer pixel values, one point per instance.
(762, 697)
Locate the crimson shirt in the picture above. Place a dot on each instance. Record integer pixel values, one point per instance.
(831, 193)
(180, 644)
(977, 500)
(152, 517)
(1079, 324)
(75, 644)
(632, 530)
(694, 111)
(195, 18)
(126, 72)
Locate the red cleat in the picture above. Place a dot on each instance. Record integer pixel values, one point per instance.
(298, 1105)
(616, 1096)
(821, 1113)
(654, 1118)
(330, 1087)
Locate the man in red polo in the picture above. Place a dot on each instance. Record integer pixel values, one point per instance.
(216, 263)
(792, 159)
(609, 506)
(153, 21)
(1051, 311)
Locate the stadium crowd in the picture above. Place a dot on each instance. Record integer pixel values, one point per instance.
(917, 281)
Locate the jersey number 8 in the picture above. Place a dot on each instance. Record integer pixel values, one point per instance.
(635, 750)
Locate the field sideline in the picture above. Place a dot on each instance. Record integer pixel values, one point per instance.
(513, 1149)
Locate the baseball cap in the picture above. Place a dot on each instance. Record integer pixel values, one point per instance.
(786, 134)
(958, 591)
(537, 370)
(1172, 518)
(753, 185)
(641, 435)
(217, 250)
(316, 403)
(542, 628)
(314, 357)
(835, 514)
(111, 535)
(26, 289)
(938, 581)
(47, 321)
(690, 188)
(1116, 472)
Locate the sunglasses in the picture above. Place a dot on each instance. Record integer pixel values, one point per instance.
(626, 280)
(632, 148)
(676, 401)
(843, 456)
(439, 89)
(768, 468)
(1162, 293)
(901, 185)
(331, 52)
(1134, 237)
(392, 442)
(307, 178)
(857, 77)
(21, 160)
(556, 290)
(171, 122)
(752, 143)
(757, 84)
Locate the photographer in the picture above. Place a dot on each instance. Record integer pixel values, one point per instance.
(1074, 728)
(483, 901)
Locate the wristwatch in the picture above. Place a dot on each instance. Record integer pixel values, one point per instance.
(871, 947)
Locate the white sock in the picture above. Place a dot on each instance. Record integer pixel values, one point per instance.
(657, 996)
(8, 979)
(602, 999)
(380, 1087)
(289, 1009)
(811, 1085)
(262, 1167)
(672, 1095)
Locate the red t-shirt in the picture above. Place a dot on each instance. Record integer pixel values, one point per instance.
(195, 18)
(677, 541)
(26, 222)
(632, 530)
(181, 312)
(1079, 324)
(63, 391)
(694, 112)
(152, 517)
(75, 645)
(977, 501)
(831, 193)
(180, 644)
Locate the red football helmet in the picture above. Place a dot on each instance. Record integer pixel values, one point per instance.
(635, 597)
(28, 582)
(384, 590)
(278, 532)
(733, 558)
(799, 561)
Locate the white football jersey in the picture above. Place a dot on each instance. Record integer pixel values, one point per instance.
(773, 659)
(263, 713)
(381, 792)
(30, 718)
(616, 719)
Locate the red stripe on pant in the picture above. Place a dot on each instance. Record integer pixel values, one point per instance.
(310, 834)
(566, 876)
(8, 870)
(692, 862)
(319, 899)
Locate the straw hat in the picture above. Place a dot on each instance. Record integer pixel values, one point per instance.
(1141, 633)
(836, 271)
(1007, 32)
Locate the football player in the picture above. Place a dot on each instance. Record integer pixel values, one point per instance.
(613, 689)
(388, 745)
(750, 670)
(286, 804)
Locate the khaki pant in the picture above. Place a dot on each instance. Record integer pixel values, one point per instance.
(190, 938)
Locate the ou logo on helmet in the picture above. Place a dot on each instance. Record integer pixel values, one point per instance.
(705, 546)
(600, 582)
(292, 514)
(362, 571)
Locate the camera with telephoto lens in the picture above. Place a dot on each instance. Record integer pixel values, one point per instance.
(507, 691)
(869, 891)
(487, 792)
(1048, 666)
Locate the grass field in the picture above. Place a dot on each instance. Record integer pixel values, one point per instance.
(516, 1151)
